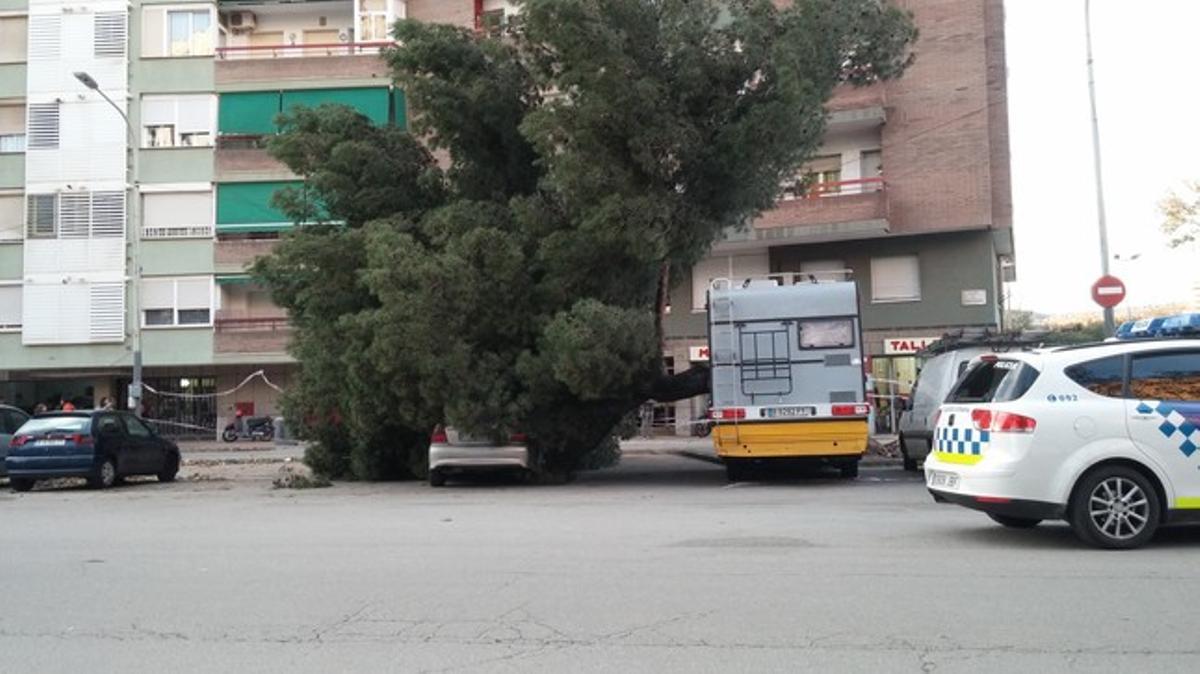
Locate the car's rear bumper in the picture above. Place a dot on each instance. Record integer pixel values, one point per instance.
(1035, 510)
(791, 439)
(442, 457)
(46, 467)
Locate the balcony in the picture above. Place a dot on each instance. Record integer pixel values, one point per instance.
(828, 211)
(251, 335)
(233, 256)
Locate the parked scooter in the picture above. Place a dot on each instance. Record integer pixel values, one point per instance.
(252, 428)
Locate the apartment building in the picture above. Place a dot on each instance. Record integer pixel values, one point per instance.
(180, 198)
(910, 193)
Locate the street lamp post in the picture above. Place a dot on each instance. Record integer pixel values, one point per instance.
(1110, 326)
(135, 234)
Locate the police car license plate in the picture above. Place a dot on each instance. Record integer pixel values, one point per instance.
(938, 478)
(789, 412)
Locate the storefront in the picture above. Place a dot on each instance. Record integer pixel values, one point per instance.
(892, 377)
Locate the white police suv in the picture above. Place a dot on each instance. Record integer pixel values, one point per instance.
(1102, 435)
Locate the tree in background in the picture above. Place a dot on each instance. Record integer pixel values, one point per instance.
(591, 155)
(1181, 215)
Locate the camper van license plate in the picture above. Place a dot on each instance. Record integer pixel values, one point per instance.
(789, 412)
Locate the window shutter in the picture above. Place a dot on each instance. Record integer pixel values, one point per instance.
(158, 294)
(10, 307)
(108, 214)
(11, 217)
(171, 214)
(194, 293)
(45, 37)
(158, 110)
(110, 34)
(195, 113)
(43, 126)
(41, 219)
(106, 312)
(74, 213)
(895, 279)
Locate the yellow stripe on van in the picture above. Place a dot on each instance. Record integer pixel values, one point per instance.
(961, 459)
(1188, 503)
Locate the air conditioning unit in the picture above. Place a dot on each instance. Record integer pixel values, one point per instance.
(241, 21)
(346, 35)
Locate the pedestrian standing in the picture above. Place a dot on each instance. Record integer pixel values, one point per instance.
(68, 406)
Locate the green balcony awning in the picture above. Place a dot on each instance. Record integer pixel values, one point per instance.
(249, 113)
(372, 102)
(234, 279)
(246, 207)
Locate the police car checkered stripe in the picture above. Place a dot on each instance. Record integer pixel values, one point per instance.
(961, 441)
(1175, 427)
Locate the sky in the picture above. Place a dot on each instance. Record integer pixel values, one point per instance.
(1148, 105)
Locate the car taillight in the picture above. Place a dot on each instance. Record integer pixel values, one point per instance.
(1003, 422)
(439, 436)
(18, 440)
(518, 438)
(81, 439)
(730, 413)
(856, 410)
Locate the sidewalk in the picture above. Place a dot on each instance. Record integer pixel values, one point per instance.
(208, 452)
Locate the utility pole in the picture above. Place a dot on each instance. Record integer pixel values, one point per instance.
(1110, 326)
(135, 234)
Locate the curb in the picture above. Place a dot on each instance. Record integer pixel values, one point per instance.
(871, 461)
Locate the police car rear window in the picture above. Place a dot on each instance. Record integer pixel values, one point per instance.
(994, 381)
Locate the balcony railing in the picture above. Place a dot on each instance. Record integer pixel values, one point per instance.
(260, 51)
(834, 189)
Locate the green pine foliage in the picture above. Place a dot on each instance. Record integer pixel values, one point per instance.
(588, 156)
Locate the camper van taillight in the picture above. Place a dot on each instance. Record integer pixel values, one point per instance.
(857, 410)
(730, 413)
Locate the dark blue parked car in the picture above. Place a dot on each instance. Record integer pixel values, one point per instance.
(100, 445)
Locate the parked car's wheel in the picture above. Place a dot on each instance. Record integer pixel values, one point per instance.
(437, 478)
(170, 470)
(1115, 507)
(1014, 522)
(910, 464)
(848, 471)
(20, 484)
(105, 475)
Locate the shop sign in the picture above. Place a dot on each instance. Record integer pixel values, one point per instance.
(906, 346)
(698, 354)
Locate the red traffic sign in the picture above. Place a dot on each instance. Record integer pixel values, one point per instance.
(1108, 291)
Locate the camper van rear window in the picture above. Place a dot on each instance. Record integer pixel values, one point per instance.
(826, 334)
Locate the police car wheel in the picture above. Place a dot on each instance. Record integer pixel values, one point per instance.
(1014, 522)
(1115, 507)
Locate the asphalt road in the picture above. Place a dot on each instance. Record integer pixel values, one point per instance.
(657, 566)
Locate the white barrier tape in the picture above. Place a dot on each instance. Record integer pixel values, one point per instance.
(194, 396)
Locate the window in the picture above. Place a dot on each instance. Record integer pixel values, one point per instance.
(177, 302)
(110, 34)
(820, 176)
(11, 421)
(373, 23)
(13, 37)
(136, 428)
(177, 121)
(10, 307)
(41, 217)
(997, 381)
(737, 268)
(1166, 376)
(43, 126)
(826, 334)
(12, 128)
(173, 215)
(1104, 377)
(12, 218)
(189, 32)
(109, 424)
(895, 279)
(76, 215)
(822, 270)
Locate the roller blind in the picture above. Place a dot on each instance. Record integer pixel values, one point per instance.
(12, 119)
(895, 279)
(10, 307)
(194, 293)
(11, 217)
(177, 209)
(158, 294)
(13, 30)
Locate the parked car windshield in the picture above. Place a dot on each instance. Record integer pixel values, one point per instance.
(56, 425)
(994, 381)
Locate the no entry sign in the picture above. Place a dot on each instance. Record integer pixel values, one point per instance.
(1108, 291)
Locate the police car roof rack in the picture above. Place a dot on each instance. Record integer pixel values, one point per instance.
(983, 337)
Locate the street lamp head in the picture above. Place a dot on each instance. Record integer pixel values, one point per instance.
(87, 80)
